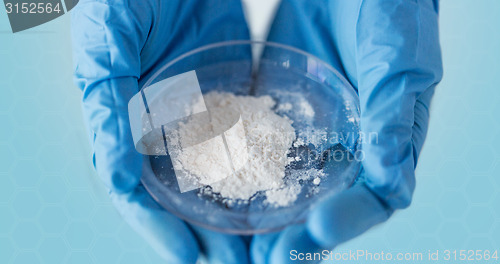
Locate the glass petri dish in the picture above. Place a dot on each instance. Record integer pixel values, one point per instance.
(289, 76)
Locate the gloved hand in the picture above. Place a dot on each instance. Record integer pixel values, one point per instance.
(389, 51)
(118, 44)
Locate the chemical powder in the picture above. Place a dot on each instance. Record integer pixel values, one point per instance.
(257, 149)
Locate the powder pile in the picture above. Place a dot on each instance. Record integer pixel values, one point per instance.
(266, 135)
(242, 147)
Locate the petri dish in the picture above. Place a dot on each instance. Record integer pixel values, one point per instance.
(290, 76)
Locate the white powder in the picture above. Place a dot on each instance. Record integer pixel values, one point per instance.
(255, 156)
(316, 181)
(268, 139)
(289, 193)
(283, 196)
(285, 107)
(306, 109)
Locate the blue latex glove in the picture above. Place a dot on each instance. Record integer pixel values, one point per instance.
(389, 51)
(117, 46)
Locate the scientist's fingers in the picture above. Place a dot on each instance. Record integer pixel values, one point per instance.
(345, 216)
(168, 235)
(395, 91)
(107, 68)
(115, 158)
(261, 246)
(219, 248)
(287, 246)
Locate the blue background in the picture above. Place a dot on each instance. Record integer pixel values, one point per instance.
(54, 209)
